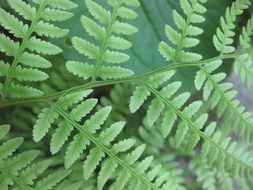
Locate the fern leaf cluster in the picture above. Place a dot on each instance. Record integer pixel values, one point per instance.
(222, 95)
(20, 170)
(186, 38)
(26, 52)
(86, 133)
(105, 29)
(215, 147)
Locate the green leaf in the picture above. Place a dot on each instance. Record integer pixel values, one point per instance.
(60, 136)
(114, 72)
(123, 28)
(51, 180)
(83, 70)
(21, 161)
(4, 69)
(56, 15)
(98, 12)
(40, 46)
(106, 171)
(86, 48)
(62, 4)
(43, 124)
(138, 98)
(24, 9)
(98, 119)
(7, 148)
(93, 159)
(115, 42)
(36, 61)
(23, 74)
(8, 46)
(111, 133)
(75, 149)
(4, 129)
(115, 57)
(18, 91)
(11, 23)
(92, 28)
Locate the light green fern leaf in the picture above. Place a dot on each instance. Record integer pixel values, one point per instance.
(184, 36)
(105, 28)
(224, 36)
(23, 53)
(19, 171)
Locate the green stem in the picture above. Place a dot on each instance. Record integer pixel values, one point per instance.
(22, 48)
(97, 84)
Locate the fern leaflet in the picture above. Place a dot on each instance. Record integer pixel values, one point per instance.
(105, 52)
(20, 170)
(26, 64)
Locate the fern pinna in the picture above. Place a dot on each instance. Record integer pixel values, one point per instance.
(131, 171)
(223, 96)
(19, 170)
(108, 127)
(105, 35)
(26, 62)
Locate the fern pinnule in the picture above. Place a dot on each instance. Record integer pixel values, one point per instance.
(20, 169)
(105, 28)
(186, 38)
(26, 62)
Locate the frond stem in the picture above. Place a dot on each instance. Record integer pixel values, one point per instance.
(96, 84)
(191, 125)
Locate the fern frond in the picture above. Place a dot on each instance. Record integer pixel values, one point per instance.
(185, 36)
(23, 60)
(224, 36)
(243, 64)
(107, 30)
(215, 148)
(121, 159)
(223, 94)
(223, 98)
(19, 171)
